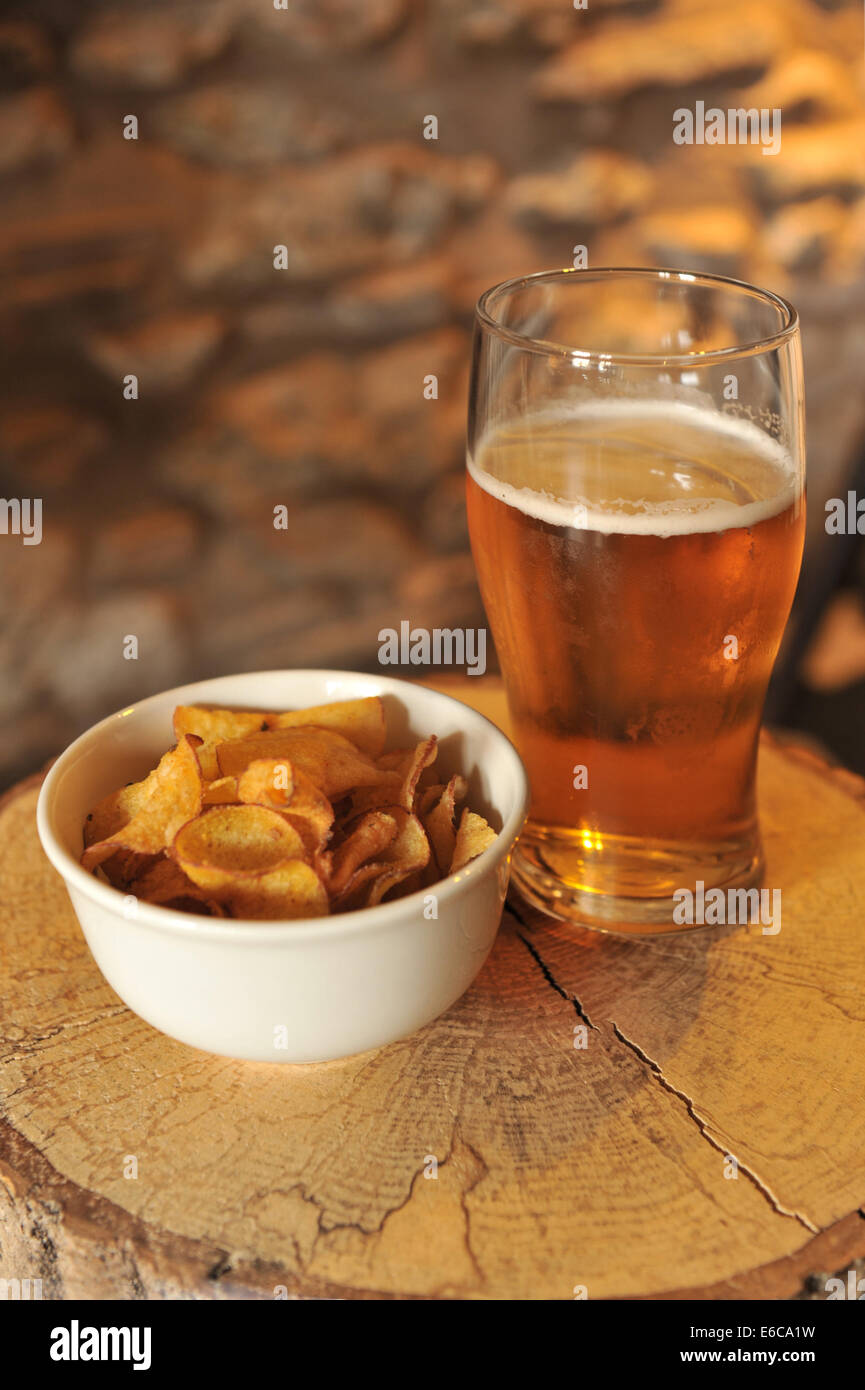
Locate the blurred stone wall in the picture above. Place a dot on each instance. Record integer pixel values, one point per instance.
(303, 386)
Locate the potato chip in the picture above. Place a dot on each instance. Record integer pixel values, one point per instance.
(164, 883)
(197, 903)
(302, 804)
(438, 822)
(410, 850)
(170, 796)
(271, 816)
(356, 891)
(310, 812)
(330, 761)
(124, 866)
(217, 725)
(368, 837)
(116, 810)
(426, 799)
(423, 757)
(219, 791)
(412, 883)
(407, 852)
(225, 843)
(247, 858)
(266, 782)
(160, 878)
(473, 837)
(213, 726)
(291, 891)
(361, 721)
(405, 766)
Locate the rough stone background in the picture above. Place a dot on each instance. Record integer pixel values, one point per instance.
(303, 386)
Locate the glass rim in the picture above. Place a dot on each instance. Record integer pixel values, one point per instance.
(547, 348)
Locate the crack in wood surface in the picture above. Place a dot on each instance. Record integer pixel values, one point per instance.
(657, 1072)
(703, 1126)
(465, 1192)
(547, 972)
(326, 1227)
(29, 1045)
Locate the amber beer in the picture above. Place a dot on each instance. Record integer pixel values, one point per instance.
(637, 561)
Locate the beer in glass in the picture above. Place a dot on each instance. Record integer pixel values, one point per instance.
(636, 510)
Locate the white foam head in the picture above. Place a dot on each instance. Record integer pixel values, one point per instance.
(668, 518)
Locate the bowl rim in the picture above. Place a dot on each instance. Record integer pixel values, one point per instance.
(252, 930)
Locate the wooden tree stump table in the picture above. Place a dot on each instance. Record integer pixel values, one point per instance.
(486, 1156)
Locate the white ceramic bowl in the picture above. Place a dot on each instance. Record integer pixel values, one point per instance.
(289, 991)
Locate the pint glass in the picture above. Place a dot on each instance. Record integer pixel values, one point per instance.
(636, 510)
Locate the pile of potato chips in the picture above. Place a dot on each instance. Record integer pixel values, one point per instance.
(279, 816)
